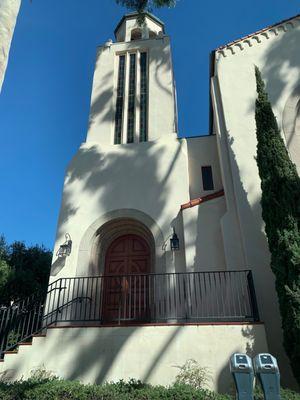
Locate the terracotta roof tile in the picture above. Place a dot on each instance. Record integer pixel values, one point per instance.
(199, 200)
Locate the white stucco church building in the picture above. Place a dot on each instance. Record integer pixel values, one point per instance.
(166, 258)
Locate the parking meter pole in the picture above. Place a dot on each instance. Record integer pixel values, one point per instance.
(271, 391)
(267, 372)
(242, 371)
(241, 383)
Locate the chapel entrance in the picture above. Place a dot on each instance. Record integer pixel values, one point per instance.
(126, 280)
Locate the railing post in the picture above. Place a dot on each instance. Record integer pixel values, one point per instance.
(185, 297)
(252, 297)
(58, 300)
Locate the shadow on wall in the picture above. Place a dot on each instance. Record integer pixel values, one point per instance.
(252, 348)
(284, 55)
(114, 181)
(162, 63)
(58, 265)
(89, 165)
(103, 361)
(281, 57)
(256, 251)
(102, 107)
(179, 260)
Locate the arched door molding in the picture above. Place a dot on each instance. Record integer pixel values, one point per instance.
(111, 231)
(99, 235)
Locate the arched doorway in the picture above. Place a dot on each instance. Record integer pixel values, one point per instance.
(126, 280)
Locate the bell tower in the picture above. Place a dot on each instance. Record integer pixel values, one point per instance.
(133, 97)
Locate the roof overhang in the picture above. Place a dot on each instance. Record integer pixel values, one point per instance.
(135, 15)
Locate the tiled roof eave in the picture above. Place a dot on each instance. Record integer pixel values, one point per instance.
(200, 200)
(258, 36)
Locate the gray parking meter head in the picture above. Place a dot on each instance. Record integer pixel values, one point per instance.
(241, 363)
(265, 363)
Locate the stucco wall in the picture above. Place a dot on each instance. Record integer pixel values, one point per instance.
(204, 247)
(202, 151)
(147, 182)
(9, 10)
(276, 53)
(150, 353)
(202, 225)
(161, 99)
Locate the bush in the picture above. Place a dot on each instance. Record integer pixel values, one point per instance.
(286, 394)
(191, 373)
(40, 388)
(57, 389)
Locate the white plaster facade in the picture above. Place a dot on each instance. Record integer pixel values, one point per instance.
(9, 10)
(275, 50)
(139, 188)
(149, 353)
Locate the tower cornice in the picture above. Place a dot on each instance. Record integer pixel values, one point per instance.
(134, 15)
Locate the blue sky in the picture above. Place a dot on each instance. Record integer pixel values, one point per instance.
(44, 103)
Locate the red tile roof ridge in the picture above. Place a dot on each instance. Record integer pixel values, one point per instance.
(199, 200)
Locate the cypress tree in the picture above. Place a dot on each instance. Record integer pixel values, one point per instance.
(280, 203)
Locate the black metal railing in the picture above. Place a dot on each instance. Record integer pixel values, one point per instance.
(226, 296)
(196, 296)
(20, 321)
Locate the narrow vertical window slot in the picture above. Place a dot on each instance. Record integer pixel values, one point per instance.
(120, 101)
(207, 178)
(144, 98)
(131, 99)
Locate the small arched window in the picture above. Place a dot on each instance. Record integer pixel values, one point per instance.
(136, 34)
(152, 35)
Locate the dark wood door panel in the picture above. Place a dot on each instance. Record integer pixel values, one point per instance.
(125, 298)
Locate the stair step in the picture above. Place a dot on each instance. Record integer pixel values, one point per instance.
(25, 344)
(11, 352)
(40, 335)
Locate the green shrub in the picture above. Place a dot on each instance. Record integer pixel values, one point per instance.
(286, 394)
(57, 389)
(39, 388)
(191, 373)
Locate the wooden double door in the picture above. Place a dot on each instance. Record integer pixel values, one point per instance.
(127, 281)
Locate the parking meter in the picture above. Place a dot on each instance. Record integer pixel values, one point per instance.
(267, 372)
(243, 375)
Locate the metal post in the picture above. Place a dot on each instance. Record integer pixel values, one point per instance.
(252, 297)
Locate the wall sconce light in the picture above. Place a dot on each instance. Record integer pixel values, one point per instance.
(65, 248)
(174, 241)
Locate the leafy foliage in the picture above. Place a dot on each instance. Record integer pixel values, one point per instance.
(280, 202)
(5, 275)
(142, 6)
(23, 270)
(191, 373)
(50, 388)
